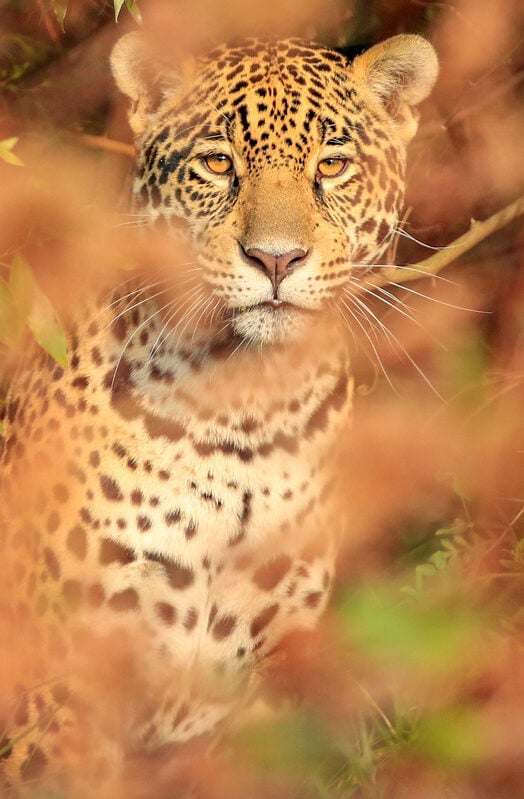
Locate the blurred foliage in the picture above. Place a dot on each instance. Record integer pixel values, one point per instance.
(24, 307)
(132, 7)
(422, 642)
(22, 54)
(7, 154)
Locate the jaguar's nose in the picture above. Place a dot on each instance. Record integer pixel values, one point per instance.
(276, 267)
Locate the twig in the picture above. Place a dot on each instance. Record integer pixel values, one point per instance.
(435, 263)
(102, 143)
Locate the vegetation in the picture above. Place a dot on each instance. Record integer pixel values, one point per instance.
(412, 687)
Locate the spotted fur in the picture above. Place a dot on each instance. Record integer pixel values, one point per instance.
(184, 462)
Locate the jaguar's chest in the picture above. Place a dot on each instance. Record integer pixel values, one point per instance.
(187, 497)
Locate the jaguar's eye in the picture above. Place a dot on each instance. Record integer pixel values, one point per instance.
(218, 163)
(332, 167)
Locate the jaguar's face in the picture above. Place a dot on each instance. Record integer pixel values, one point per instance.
(285, 163)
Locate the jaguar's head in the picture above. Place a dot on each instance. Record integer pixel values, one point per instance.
(283, 160)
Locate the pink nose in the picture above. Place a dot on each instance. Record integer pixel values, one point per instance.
(276, 267)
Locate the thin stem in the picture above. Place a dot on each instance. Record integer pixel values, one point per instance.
(101, 143)
(432, 265)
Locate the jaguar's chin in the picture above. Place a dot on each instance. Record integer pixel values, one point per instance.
(272, 322)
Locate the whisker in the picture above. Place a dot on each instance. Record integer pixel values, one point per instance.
(129, 296)
(407, 267)
(160, 339)
(131, 307)
(409, 236)
(191, 313)
(404, 309)
(362, 327)
(242, 343)
(190, 296)
(393, 340)
(202, 315)
(348, 327)
(438, 301)
(408, 313)
(128, 341)
(134, 223)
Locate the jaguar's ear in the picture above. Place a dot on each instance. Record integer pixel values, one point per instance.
(143, 76)
(399, 73)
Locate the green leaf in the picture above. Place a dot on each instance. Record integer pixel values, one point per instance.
(118, 8)
(60, 10)
(454, 529)
(21, 286)
(132, 7)
(518, 552)
(23, 303)
(11, 324)
(6, 154)
(46, 329)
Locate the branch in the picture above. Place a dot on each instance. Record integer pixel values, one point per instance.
(101, 143)
(433, 265)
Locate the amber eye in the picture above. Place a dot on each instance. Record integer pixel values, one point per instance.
(332, 167)
(218, 163)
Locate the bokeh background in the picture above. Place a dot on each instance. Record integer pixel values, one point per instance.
(413, 685)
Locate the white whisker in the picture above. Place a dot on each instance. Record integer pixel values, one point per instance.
(438, 301)
(393, 340)
(128, 341)
(409, 236)
(191, 296)
(191, 313)
(353, 313)
(134, 305)
(406, 267)
(201, 316)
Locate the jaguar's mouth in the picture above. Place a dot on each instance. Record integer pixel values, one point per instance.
(270, 321)
(273, 305)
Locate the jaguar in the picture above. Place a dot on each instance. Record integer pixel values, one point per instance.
(170, 496)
